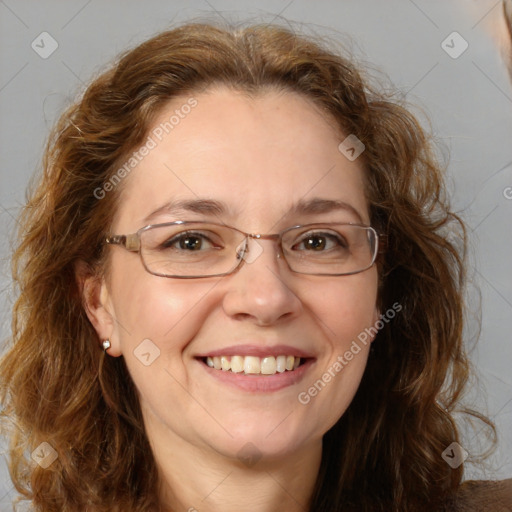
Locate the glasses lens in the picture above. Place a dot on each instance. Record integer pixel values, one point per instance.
(190, 249)
(201, 249)
(330, 249)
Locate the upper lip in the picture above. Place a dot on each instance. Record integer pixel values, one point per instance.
(258, 351)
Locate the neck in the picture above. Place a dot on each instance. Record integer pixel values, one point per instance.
(197, 479)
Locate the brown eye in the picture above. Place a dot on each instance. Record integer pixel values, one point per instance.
(193, 243)
(315, 243)
(190, 242)
(320, 242)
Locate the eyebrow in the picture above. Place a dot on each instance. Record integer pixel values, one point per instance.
(204, 206)
(318, 205)
(212, 207)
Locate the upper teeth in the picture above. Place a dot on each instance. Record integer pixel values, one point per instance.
(251, 364)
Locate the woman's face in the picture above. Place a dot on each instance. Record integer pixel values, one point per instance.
(259, 158)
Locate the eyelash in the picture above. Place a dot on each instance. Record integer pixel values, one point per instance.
(181, 236)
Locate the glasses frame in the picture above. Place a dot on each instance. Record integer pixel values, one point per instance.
(132, 242)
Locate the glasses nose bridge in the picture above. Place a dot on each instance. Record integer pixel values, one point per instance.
(261, 236)
(267, 236)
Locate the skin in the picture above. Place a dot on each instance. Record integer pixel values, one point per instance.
(259, 155)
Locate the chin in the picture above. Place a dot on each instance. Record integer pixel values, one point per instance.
(256, 441)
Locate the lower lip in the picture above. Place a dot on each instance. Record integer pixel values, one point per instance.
(260, 383)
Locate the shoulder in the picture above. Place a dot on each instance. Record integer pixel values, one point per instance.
(481, 496)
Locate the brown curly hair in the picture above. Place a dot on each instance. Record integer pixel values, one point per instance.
(384, 453)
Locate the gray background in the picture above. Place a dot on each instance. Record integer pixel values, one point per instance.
(469, 100)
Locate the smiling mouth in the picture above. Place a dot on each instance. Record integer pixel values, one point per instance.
(253, 365)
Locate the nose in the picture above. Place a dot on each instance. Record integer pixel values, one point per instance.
(262, 289)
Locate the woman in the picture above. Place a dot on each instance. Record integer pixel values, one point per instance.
(240, 289)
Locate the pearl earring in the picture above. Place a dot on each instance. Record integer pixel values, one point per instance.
(106, 345)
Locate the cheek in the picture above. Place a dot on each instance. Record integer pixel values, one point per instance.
(345, 307)
(155, 308)
(345, 310)
(157, 319)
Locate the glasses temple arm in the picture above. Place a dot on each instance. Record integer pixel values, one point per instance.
(129, 242)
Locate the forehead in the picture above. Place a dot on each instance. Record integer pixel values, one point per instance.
(258, 155)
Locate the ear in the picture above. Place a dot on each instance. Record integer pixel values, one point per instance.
(98, 305)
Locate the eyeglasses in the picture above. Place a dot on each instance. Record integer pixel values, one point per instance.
(188, 250)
